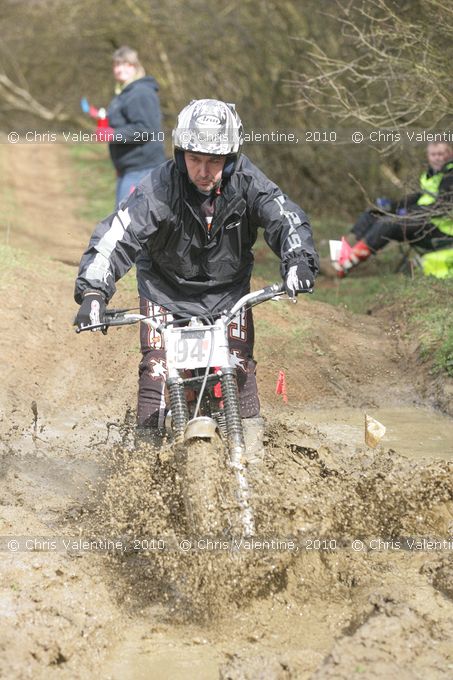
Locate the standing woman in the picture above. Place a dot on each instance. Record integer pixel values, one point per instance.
(134, 114)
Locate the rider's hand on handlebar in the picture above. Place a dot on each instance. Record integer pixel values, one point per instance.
(91, 310)
(298, 279)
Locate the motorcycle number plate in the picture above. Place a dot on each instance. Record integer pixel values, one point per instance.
(187, 348)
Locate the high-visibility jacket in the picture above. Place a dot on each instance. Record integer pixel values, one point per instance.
(439, 263)
(432, 191)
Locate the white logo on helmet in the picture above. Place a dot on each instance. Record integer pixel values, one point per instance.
(206, 120)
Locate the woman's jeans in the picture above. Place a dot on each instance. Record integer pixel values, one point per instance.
(126, 184)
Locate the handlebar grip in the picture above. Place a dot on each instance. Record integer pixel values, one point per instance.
(280, 287)
(113, 321)
(270, 291)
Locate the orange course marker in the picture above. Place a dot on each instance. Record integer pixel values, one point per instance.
(281, 386)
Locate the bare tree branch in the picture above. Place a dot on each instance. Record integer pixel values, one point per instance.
(20, 99)
(391, 70)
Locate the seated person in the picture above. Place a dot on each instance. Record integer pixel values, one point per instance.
(419, 218)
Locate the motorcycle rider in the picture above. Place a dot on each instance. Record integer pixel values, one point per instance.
(189, 227)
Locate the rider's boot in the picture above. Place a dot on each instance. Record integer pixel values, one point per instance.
(359, 253)
(254, 435)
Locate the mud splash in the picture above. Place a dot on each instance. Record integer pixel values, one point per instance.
(306, 614)
(312, 490)
(197, 580)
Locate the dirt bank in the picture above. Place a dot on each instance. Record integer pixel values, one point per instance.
(69, 470)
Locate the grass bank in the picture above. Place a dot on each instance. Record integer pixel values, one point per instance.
(96, 183)
(96, 180)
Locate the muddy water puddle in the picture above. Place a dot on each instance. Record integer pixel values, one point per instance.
(161, 656)
(412, 432)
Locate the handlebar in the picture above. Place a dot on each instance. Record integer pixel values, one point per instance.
(115, 317)
(255, 298)
(120, 317)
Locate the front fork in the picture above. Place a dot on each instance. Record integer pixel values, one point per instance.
(179, 410)
(236, 445)
(233, 423)
(235, 434)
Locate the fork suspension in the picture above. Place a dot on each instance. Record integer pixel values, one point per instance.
(179, 412)
(232, 413)
(236, 446)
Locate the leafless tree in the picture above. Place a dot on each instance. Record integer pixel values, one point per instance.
(390, 67)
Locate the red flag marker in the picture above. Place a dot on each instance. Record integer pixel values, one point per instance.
(281, 386)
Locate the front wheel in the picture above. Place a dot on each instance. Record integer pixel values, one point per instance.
(209, 502)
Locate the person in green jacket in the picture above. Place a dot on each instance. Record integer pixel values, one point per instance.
(420, 218)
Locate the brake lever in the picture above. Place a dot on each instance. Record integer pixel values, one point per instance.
(95, 327)
(293, 298)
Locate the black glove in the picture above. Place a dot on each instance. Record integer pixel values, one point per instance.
(91, 310)
(298, 278)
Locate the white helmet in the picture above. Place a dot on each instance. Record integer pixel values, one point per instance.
(208, 126)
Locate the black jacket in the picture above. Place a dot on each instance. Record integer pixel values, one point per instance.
(135, 115)
(178, 265)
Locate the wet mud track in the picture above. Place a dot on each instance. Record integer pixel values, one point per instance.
(323, 610)
(69, 470)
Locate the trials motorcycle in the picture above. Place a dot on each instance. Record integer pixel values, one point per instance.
(204, 420)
